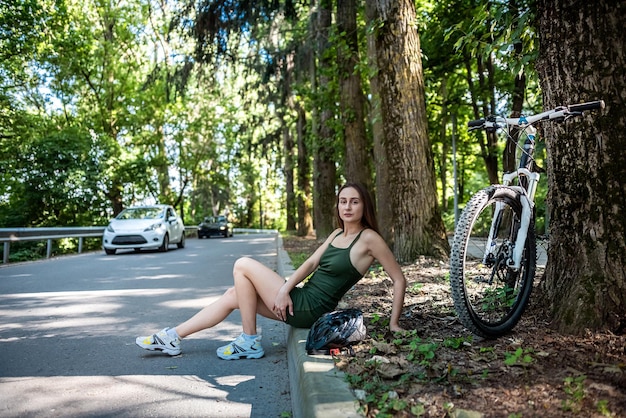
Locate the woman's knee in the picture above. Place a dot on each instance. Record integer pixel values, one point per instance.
(243, 265)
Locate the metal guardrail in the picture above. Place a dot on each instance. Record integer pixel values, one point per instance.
(9, 235)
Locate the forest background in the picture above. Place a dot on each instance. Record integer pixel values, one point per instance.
(260, 109)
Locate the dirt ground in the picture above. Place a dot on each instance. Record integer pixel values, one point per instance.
(439, 369)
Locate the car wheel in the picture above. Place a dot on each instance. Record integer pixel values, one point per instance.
(181, 243)
(165, 245)
(109, 252)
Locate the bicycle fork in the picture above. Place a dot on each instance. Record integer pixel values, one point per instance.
(526, 197)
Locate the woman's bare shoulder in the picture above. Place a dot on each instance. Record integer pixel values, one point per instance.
(371, 235)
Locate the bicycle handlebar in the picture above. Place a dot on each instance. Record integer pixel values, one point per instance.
(586, 106)
(558, 113)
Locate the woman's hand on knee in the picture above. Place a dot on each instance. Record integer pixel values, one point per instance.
(283, 306)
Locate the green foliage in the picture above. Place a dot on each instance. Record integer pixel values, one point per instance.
(298, 258)
(457, 342)
(113, 104)
(602, 406)
(414, 287)
(520, 357)
(379, 320)
(574, 388)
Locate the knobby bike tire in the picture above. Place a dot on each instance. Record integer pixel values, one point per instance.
(490, 298)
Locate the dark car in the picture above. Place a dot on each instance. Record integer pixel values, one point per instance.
(215, 225)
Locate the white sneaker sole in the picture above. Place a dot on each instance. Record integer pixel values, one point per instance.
(152, 347)
(240, 356)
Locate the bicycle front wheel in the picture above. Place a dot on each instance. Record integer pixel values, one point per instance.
(489, 296)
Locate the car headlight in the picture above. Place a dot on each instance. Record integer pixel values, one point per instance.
(222, 227)
(110, 228)
(153, 227)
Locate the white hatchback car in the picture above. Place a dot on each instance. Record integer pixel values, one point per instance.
(140, 227)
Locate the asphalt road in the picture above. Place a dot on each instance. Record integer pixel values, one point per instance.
(68, 326)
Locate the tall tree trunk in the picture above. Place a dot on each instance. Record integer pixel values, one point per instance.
(582, 59)
(519, 88)
(324, 177)
(489, 149)
(445, 145)
(418, 227)
(487, 140)
(383, 208)
(162, 167)
(288, 143)
(305, 220)
(290, 204)
(304, 57)
(351, 99)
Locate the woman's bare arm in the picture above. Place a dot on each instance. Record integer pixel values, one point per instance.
(379, 250)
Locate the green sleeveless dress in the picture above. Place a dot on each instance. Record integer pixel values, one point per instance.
(321, 293)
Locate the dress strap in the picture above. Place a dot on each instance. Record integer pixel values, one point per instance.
(356, 238)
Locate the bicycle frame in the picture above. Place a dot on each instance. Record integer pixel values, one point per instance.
(527, 197)
(528, 203)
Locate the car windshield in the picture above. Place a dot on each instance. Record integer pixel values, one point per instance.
(141, 213)
(215, 219)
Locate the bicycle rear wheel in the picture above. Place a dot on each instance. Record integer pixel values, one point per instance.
(489, 296)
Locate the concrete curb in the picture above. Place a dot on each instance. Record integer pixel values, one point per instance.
(318, 388)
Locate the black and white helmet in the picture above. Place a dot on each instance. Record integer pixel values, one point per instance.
(336, 330)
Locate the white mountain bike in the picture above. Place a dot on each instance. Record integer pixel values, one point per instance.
(493, 258)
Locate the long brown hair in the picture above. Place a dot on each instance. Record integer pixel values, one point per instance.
(369, 213)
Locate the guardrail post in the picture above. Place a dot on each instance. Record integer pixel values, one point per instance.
(5, 256)
(80, 245)
(49, 249)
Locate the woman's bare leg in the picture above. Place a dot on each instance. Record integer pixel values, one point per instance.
(256, 287)
(210, 316)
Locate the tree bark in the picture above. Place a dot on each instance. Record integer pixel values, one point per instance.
(383, 208)
(288, 143)
(351, 99)
(290, 203)
(305, 220)
(582, 59)
(324, 177)
(418, 227)
(304, 58)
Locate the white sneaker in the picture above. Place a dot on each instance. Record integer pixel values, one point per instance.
(241, 348)
(160, 341)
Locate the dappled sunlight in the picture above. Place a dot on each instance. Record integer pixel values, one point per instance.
(233, 380)
(152, 277)
(193, 303)
(82, 294)
(53, 309)
(139, 395)
(146, 268)
(249, 239)
(95, 311)
(15, 275)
